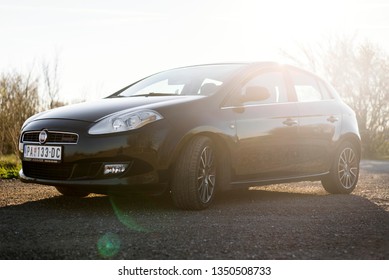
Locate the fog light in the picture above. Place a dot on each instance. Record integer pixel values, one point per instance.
(115, 168)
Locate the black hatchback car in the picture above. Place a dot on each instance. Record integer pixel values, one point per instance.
(196, 130)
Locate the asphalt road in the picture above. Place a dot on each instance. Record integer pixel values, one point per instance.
(291, 221)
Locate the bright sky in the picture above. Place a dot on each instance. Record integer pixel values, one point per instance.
(105, 45)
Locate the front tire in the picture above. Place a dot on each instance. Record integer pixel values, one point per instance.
(344, 172)
(194, 179)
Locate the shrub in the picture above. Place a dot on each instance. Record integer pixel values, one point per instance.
(9, 167)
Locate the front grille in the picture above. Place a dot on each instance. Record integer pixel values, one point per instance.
(50, 171)
(52, 137)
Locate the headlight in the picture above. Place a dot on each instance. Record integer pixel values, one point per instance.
(124, 122)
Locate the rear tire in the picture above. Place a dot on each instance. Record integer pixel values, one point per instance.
(70, 192)
(344, 172)
(194, 179)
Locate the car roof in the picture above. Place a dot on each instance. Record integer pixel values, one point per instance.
(256, 65)
(253, 64)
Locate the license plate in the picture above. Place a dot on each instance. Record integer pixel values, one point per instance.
(43, 153)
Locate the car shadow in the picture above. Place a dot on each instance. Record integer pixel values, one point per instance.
(141, 202)
(152, 228)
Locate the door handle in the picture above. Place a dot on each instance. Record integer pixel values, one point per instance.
(332, 119)
(290, 122)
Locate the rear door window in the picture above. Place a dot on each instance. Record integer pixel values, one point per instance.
(308, 88)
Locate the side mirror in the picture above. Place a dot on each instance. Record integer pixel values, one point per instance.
(255, 93)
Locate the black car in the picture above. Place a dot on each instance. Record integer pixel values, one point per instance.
(196, 130)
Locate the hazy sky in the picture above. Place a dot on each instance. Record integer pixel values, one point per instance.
(105, 45)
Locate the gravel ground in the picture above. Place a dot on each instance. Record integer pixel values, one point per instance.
(290, 221)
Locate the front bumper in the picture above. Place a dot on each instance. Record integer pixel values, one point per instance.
(82, 164)
(144, 183)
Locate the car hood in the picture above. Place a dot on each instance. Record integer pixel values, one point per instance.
(95, 110)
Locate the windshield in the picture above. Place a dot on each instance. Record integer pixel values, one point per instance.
(196, 80)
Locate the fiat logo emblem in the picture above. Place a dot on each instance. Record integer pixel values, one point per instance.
(43, 137)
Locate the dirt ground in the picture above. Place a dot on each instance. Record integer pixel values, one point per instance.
(288, 221)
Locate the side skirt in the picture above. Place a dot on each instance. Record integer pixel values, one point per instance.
(262, 182)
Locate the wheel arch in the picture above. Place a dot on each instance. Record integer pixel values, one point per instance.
(353, 139)
(222, 148)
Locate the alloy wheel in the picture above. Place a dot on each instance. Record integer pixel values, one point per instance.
(348, 168)
(206, 175)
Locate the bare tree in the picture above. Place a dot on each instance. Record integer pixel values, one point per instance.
(360, 72)
(18, 101)
(51, 82)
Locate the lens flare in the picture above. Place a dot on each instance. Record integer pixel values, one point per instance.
(125, 216)
(109, 245)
